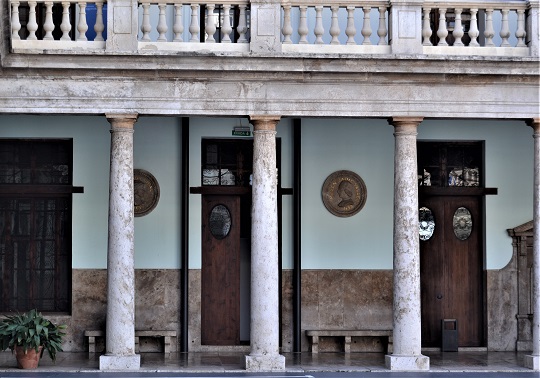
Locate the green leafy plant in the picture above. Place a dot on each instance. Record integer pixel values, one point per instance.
(30, 331)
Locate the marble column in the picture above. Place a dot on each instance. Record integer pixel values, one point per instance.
(264, 355)
(406, 309)
(532, 361)
(120, 326)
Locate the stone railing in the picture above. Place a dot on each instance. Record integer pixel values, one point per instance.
(177, 25)
(450, 27)
(335, 26)
(46, 25)
(475, 28)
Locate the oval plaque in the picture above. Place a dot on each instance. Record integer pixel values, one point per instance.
(427, 223)
(220, 222)
(145, 192)
(344, 193)
(462, 223)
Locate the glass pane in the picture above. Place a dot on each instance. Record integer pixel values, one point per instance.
(220, 222)
(427, 223)
(462, 223)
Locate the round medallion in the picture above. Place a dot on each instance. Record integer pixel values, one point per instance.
(427, 223)
(462, 223)
(146, 192)
(344, 193)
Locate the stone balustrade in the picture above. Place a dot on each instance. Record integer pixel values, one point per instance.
(475, 28)
(450, 27)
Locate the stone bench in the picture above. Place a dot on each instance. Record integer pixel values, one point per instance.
(348, 335)
(166, 335)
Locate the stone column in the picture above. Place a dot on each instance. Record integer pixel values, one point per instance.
(533, 361)
(406, 309)
(120, 329)
(264, 354)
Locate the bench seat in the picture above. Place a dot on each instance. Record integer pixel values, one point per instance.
(166, 335)
(348, 335)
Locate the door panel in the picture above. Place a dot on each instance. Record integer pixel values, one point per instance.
(451, 273)
(220, 286)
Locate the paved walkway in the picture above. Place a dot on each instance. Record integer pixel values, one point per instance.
(295, 363)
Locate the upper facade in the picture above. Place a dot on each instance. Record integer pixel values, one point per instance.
(443, 59)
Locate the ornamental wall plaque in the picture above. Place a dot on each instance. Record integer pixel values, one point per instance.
(344, 193)
(146, 192)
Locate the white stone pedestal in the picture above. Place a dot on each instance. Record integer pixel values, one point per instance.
(115, 362)
(407, 363)
(532, 362)
(274, 362)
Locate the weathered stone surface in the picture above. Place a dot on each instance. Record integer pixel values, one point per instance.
(502, 294)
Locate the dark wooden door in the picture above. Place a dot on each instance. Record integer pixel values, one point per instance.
(220, 286)
(452, 273)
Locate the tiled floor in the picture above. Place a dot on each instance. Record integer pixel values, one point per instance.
(305, 362)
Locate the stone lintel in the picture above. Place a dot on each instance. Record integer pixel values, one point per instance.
(532, 362)
(407, 363)
(266, 363)
(116, 362)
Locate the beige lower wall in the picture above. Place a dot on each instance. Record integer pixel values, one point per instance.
(348, 299)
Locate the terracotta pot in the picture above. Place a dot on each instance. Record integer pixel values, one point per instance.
(28, 360)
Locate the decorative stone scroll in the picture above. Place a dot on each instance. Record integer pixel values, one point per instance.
(344, 193)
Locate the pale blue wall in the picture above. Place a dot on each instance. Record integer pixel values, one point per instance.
(363, 241)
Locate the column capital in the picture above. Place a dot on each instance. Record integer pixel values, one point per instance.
(119, 120)
(401, 121)
(264, 122)
(535, 124)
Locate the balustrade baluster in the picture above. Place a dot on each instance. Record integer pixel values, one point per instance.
(473, 28)
(146, 27)
(302, 26)
(366, 27)
(442, 32)
(226, 28)
(82, 27)
(287, 26)
(162, 23)
(458, 28)
(15, 22)
(489, 33)
(505, 29)
(65, 26)
(334, 27)
(210, 27)
(520, 32)
(350, 30)
(319, 28)
(426, 28)
(178, 27)
(194, 26)
(48, 25)
(32, 25)
(382, 31)
(99, 26)
(242, 24)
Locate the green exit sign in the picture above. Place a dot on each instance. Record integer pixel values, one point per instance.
(241, 133)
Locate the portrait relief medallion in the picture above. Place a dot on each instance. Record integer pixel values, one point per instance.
(146, 192)
(344, 193)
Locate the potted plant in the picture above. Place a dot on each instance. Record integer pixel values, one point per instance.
(28, 335)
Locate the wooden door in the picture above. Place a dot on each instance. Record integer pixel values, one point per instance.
(220, 286)
(452, 272)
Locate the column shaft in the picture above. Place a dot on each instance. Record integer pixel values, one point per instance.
(533, 361)
(264, 354)
(406, 310)
(120, 326)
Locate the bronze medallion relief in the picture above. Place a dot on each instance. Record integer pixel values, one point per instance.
(146, 192)
(344, 193)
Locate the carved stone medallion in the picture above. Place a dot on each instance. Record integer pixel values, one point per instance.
(344, 193)
(146, 192)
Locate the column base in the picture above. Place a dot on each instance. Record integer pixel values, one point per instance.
(532, 362)
(115, 362)
(265, 363)
(407, 363)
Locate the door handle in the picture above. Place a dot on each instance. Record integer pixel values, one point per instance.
(439, 296)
